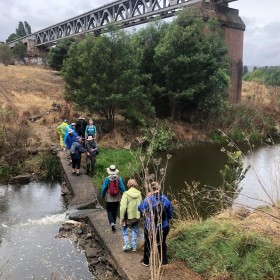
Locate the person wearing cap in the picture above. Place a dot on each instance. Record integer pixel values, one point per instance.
(62, 130)
(155, 230)
(90, 129)
(71, 126)
(76, 151)
(129, 214)
(81, 127)
(112, 200)
(91, 152)
(70, 137)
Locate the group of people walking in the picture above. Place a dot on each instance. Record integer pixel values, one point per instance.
(155, 208)
(79, 138)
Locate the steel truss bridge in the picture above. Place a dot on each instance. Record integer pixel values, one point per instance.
(125, 13)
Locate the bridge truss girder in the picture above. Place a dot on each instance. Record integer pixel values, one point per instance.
(124, 12)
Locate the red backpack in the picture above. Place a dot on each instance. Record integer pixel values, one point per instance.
(113, 188)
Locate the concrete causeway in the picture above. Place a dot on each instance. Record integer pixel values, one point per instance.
(85, 196)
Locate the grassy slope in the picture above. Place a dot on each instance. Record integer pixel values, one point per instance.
(225, 247)
(29, 91)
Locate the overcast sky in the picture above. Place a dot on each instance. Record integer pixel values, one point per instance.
(262, 36)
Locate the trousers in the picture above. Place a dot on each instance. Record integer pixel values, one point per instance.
(161, 244)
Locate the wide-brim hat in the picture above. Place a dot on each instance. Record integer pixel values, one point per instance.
(81, 118)
(112, 170)
(73, 124)
(90, 138)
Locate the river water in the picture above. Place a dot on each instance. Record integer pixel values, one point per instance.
(202, 163)
(30, 217)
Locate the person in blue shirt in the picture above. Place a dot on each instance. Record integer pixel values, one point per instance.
(70, 138)
(156, 222)
(90, 130)
(111, 191)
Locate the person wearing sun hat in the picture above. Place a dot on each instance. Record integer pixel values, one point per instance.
(81, 127)
(111, 191)
(91, 152)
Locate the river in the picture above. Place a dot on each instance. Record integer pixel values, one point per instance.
(202, 163)
(30, 217)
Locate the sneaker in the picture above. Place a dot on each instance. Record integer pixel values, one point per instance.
(164, 263)
(113, 225)
(144, 264)
(78, 174)
(126, 248)
(134, 249)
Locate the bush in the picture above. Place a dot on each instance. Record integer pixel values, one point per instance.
(161, 136)
(44, 165)
(222, 250)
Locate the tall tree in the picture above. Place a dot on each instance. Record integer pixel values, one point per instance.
(102, 75)
(192, 58)
(6, 55)
(147, 40)
(27, 28)
(20, 31)
(58, 54)
(12, 37)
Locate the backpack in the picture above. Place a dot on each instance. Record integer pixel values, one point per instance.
(73, 148)
(160, 213)
(113, 188)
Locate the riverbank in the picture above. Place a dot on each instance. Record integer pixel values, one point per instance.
(232, 245)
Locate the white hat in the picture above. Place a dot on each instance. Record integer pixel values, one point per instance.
(112, 170)
(81, 118)
(90, 138)
(70, 130)
(73, 124)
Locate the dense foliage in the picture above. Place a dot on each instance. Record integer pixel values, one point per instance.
(58, 54)
(103, 76)
(269, 76)
(6, 55)
(19, 51)
(176, 70)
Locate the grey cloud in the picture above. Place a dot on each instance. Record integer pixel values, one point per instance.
(261, 44)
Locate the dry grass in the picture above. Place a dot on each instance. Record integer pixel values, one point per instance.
(29, 91)
(264, 221)
(263, 98)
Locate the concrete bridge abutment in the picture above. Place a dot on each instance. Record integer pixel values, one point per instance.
(233, 30)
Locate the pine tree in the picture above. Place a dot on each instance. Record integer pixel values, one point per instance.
(20, 31)
(27, 28)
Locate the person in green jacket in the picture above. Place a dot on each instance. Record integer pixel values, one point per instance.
(129, 214)
(61, 130)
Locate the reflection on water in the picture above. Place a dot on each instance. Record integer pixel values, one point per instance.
(30, 216)
(262, 182)
(202, 163)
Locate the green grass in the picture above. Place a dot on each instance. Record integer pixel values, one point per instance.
(221, 250)
(125, 161)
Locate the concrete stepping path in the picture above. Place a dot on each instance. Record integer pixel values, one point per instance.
(84, 194)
